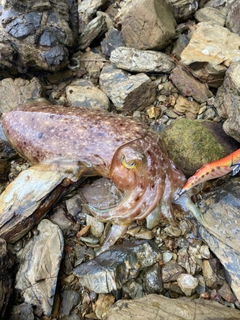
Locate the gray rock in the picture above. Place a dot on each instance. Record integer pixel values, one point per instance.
(153, 279)
(83, 93)
(227, 101)
(161, 308)
(143, 29)
(15, 92)
(212, 15)
(23, 311)
(134, 289)
(134, 60)
(41, 258)
(39, 33)
(127, 92)
(70, 299)
(221, 212)
(113, 39)
(183, 9)
(111, 269)
(233, 16)
(94, 29)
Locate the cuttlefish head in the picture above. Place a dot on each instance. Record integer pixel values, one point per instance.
(136, 170)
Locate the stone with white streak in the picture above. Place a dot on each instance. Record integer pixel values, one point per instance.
(134, 60)
(41, 258)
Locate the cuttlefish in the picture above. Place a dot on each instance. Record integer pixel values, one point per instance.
(64, 144)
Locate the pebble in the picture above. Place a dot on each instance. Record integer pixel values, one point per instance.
(187, 283)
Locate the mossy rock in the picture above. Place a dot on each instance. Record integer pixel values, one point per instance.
(193, 143)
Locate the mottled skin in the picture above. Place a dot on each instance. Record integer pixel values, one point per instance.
(89, 143)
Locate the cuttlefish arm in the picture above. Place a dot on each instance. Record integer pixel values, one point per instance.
(214, 169)
(136, 170)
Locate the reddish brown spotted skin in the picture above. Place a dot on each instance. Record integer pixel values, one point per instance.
(92, 142)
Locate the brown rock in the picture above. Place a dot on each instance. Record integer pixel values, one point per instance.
(15, 92)
(143, 29)
(158, 307)
(212, 48)
(189, 86)
(171, 271)
(6, 277)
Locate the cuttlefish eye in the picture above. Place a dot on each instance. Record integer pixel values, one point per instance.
(128, 165)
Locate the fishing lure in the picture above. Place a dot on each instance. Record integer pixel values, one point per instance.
(215, 169)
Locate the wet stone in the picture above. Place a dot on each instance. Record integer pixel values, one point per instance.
(153, 280)
(111, 269)
(70, 299)
(133, 288)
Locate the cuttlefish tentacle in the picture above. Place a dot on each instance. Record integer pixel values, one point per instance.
(136, 169)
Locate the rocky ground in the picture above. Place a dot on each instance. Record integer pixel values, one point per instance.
(173, 65)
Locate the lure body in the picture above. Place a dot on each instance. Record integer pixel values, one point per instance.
(215, 169)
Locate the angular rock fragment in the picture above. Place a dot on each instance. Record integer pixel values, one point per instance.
(15, 92)
(134, 60)
(83, 93)
(208, 14)
(233, 16)
(189, 86)
(187, 283)
(6, 277)
(212, 48)
(127, 92)
(227, 101)
(143, 29)
(41, 258)
(183, 9)
(221, 211)
(111, 269)
(94, 29)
